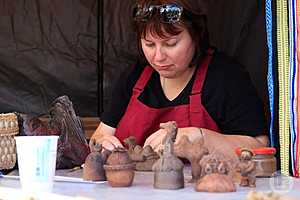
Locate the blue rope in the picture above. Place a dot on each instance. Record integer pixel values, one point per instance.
(269, 26)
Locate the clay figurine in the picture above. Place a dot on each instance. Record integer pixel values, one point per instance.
(168, 170)
(246, 167)
(93, 167)
(192, 151)
(144, 158)
(131, 143)
(119, 168)
(214, 176)
(264, 159)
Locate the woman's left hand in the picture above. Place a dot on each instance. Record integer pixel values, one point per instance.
(155, 140)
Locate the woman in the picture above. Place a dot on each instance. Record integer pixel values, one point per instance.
(184, 80)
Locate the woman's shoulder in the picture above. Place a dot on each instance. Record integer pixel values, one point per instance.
(226, 64)
(224, 67)
(132, 75)
(137, 69)
(122, 89)
(227, 76)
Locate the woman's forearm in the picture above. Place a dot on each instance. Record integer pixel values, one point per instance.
(104, 129)
(220, 144)
(227, 144)
(217, 139)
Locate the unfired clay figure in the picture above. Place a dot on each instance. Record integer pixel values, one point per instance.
(193, 151)
(144, 158)
(214, 176)
(168, 170)
(131, 143)
(93, 167)
(247, 168)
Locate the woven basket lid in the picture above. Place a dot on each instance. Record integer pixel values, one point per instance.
(8, 124)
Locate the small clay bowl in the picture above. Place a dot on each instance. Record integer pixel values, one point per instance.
(119, 169)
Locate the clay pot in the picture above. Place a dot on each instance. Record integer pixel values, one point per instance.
(119, 169)
(215, 183)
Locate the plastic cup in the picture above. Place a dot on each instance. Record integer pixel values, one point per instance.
(37, 161)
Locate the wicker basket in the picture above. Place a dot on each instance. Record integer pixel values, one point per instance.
(8, 129)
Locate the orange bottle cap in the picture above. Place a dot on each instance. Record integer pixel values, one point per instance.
(259, 151)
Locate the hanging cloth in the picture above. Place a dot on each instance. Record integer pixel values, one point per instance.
(293, 85)
(283, 78)
(297, 59)
(270, 76)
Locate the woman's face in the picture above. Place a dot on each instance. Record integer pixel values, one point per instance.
(170, 56)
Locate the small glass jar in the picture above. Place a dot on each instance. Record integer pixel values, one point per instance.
(265, 161)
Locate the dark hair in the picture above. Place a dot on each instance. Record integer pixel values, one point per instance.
(194, 20)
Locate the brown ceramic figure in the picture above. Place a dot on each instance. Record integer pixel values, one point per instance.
(168, 170)
(246, 167)
(131, 143)
(264, 159)
(144, 158)
(149, 156)
(119, 168)
(214, 176)
(93, 167)
(192, 151)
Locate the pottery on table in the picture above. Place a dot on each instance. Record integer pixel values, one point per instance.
(119, 169)
(93, 166)
(168, 170)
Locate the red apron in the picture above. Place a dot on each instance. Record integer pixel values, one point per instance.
(141, 121)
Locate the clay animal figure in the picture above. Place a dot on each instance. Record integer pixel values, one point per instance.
(168, 170)
(131, 143)
(150, 157)
(214, 176)
(214, 165)
(246, 167)
(192, 151)
(93, 167)
(144, 158)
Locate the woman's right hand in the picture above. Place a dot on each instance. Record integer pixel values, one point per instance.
(104, 135)
(155, 140)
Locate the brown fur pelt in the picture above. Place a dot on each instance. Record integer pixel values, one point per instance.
(72, 147)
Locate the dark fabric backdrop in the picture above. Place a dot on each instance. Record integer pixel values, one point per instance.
(50, 48)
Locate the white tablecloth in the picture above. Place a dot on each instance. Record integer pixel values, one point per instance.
(142, 188)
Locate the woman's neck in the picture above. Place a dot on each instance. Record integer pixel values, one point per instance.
(172, 87)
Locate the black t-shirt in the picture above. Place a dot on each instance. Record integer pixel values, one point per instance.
(228, 96)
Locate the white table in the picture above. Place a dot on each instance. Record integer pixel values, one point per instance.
(142, 188)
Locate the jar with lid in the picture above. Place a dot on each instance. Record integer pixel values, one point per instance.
(119, 168)
(265, 161)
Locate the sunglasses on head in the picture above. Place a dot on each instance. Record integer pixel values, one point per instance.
(169, 13)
